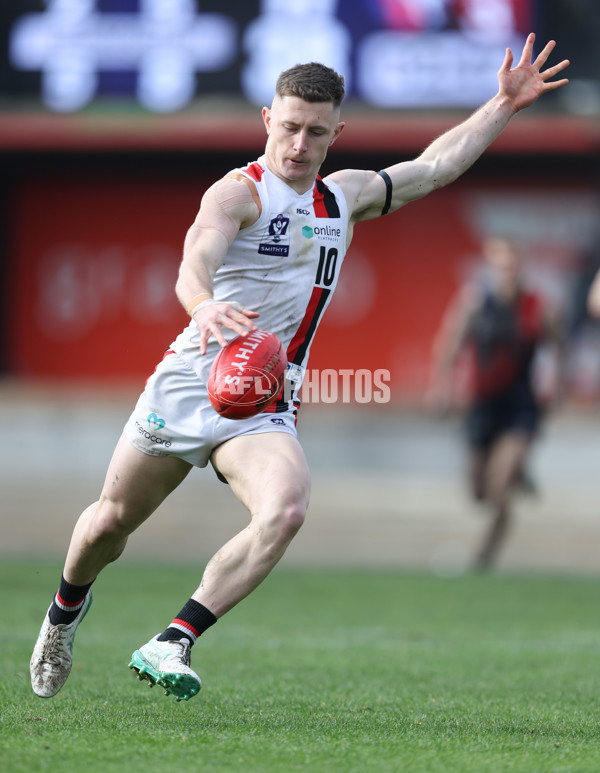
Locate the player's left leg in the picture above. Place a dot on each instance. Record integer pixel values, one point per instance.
(269, 475)
(506, 459)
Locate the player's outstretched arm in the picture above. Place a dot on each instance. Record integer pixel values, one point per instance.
(454, 152)
(226, 207)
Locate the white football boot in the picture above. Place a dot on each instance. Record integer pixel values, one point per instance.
(167, 663)
(53, 653)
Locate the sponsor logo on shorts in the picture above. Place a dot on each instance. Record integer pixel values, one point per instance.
(149, 435)
(155, 423)
(277, 421)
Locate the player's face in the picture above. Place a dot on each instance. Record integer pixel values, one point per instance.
(504, 262)
(299, 135)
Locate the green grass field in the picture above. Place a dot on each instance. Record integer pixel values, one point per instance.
(317, 671)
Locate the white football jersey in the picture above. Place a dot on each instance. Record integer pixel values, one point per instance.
(285, 267)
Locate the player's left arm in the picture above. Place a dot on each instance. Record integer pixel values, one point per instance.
(371, 194)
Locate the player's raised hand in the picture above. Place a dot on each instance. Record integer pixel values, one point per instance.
(523, 84)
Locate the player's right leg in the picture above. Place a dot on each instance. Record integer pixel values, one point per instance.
(135, 485)
(507, 457)
(477, 462)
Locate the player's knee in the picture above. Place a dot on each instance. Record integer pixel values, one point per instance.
(293, 517)
(497, 492)
(109, 522)
(282, 523)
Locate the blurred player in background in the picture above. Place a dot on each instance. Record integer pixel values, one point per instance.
(268, 243)
(502, 324)
(593, 300)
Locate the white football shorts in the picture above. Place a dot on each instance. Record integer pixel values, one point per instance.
(173, 417)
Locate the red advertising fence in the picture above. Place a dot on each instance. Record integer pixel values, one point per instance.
(94, 264)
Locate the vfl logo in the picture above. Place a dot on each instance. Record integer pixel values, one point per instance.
(276, 239)
(278, 227)
(155, 423)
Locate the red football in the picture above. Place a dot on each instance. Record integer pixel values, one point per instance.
(247, 375)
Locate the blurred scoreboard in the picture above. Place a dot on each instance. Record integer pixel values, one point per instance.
(162, 55)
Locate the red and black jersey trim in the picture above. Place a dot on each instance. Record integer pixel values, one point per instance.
(299, 344)
(280, 406)
(298, 347)
(324, 203)
(255, 171)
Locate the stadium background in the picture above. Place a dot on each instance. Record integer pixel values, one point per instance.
(97, 189)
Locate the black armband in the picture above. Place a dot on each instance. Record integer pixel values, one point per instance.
(388, 191)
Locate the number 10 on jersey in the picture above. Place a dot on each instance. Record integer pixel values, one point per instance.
(326, 268)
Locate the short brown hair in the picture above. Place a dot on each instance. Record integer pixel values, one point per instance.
(313, 82)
